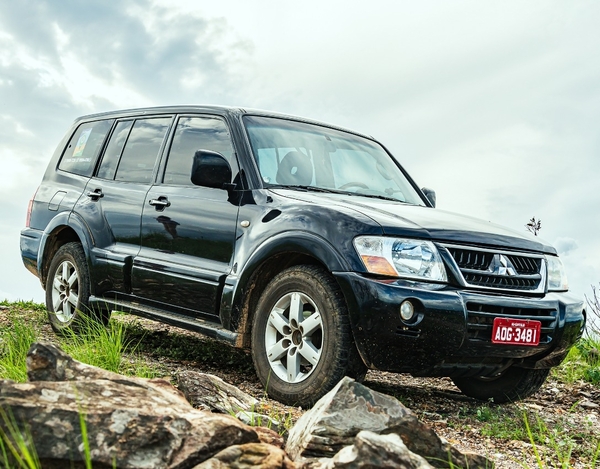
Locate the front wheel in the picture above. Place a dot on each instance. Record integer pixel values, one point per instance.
(512, 385)
(68, 289)
(301, 339)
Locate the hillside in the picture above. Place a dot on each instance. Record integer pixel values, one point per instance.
(557, 427)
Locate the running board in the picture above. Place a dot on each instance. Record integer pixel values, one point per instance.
(207, 328)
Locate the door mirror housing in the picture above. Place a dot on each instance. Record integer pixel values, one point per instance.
(210, 169)
(430, 194)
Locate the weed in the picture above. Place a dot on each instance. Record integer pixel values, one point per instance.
(95, 344)
(16, 338)
(16, 443)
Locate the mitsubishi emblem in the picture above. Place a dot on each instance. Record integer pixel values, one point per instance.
(501, 265)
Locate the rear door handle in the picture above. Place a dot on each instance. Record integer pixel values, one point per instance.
(161, 203)
(95, 194)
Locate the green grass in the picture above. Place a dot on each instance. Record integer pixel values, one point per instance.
(112, 348)
(16, 445)
(17, 334)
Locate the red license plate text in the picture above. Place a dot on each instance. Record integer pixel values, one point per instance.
(516, 331)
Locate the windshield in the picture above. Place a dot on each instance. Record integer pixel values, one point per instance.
(310, 157)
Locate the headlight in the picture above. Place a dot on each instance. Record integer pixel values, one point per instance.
(398, 257)
(557, 278)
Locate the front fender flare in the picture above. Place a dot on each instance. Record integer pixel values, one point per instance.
(296, 242)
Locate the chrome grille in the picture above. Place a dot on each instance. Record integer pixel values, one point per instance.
(480, 319)
(499, 270)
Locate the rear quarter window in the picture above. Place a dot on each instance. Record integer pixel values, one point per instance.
(84, 147)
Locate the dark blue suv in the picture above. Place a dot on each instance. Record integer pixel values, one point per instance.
(306, 243)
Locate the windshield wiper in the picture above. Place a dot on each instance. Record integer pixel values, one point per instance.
(307, 188)
(382, 197)
(332, 191)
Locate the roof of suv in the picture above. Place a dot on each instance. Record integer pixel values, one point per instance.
(231, 110)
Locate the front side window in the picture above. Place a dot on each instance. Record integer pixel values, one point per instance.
(294, 154)
(193, 134)
(141, 150)
(84, 147)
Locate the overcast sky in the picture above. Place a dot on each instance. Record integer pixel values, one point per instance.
(495, 105)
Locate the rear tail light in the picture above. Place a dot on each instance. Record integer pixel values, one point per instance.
(29, 208)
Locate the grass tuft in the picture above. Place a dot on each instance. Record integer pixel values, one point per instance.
(16, 445)
(15, 339)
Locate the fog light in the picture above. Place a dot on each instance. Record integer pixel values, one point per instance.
(407, 310)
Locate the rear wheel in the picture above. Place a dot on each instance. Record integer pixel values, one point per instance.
(301, 339)
(68, 289)
(512, 385)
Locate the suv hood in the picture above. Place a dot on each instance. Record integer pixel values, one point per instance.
(398, 219)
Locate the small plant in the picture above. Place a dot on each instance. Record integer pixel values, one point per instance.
(16, 444)
(593, 323)
(534, 226)
(15, 340)
(95, 344)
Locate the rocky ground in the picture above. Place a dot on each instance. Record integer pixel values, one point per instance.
(565, 417)
(570, 413)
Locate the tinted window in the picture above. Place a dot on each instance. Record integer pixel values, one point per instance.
(110, 160)
(141, 150)
(193, 134)
(82, 151)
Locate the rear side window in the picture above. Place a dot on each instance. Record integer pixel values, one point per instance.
(113, 151)
(142, 147)
(83, 148)
(193, 134)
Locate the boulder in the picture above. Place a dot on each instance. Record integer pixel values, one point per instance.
(131, 422)
(338, 417)
(371, 450)
(249, 456)
(210, 392)
(271, 437)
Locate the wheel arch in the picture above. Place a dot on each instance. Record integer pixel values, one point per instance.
(62, 230)
(275, 255)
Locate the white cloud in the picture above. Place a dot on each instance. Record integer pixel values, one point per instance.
(565, 245)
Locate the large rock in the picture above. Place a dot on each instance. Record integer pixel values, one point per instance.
(349, 408)
(132, 422)
(212, 393)
(249, 456)
(371, 450)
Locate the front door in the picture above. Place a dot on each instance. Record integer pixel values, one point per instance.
(188, 232)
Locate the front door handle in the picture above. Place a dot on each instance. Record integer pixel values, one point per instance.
(161, 203)
(95, 194)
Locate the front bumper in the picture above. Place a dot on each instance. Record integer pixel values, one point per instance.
(451, 335)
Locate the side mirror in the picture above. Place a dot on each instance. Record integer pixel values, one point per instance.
(430, 194)
(210, 169)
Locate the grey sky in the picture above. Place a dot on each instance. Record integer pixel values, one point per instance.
(495, 105)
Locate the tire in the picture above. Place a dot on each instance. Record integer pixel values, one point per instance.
(302, 343)
(68, 290)
(512, 385)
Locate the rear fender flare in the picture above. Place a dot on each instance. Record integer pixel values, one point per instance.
(63, 221)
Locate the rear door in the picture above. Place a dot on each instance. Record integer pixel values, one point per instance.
(112, 205)
(188, 232)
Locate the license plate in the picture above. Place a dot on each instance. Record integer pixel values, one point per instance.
(516, 331)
